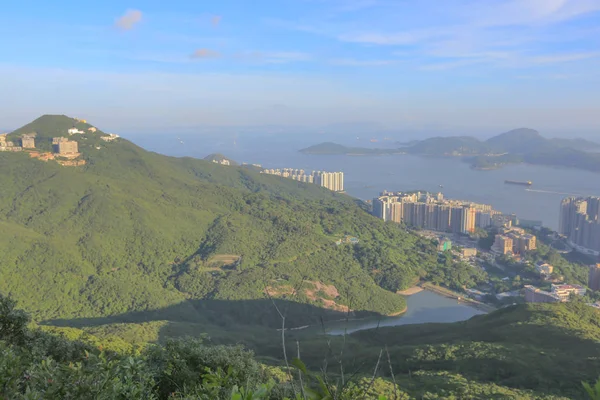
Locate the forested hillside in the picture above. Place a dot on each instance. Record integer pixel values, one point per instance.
(134, 231)
(542, 351)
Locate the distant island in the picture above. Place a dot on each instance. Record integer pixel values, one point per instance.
(329, 148)
(514, 147)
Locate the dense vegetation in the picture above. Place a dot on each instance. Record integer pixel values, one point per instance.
(516, 353)
(148, 238)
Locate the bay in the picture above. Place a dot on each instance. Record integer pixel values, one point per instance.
(366, 176)
(422, 307)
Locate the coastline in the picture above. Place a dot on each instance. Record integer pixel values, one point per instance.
(442, 291)
(410, 291)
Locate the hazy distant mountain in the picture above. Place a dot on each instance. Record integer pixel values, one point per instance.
(513, 147)
(329, 148)
(453, 145)
(521, 141)
(577, 144)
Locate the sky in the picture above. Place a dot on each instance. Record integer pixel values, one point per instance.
(445, 65)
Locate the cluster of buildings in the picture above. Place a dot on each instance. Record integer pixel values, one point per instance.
(331, 180)
(561, 292)
(27, 142)
(222, 161)
(580, 223)
(62, 147)
(557, 293)
(434, 212)
(511, 241)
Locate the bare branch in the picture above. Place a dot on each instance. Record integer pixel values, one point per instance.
(391, 372)
(374, 375)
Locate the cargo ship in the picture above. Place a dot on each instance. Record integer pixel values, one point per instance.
(523, 183)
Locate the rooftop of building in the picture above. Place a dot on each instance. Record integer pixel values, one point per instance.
(567, 287)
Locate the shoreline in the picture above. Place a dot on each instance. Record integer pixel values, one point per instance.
(442, 291)
(410, 291)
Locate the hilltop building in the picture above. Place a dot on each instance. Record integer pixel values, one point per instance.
(28, 141)
(222, 162)
(579, 222)
(74, 131)
(433, 212)
(110, 137)
(92, 129)
(65, 147)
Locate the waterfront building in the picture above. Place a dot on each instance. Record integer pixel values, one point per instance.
(468, 219)
(432, 212)
(579, 222)
(331, 180)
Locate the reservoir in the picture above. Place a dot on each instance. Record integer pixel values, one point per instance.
(423, 307)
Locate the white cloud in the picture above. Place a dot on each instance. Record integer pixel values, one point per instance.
(564, 57)
(128, 20)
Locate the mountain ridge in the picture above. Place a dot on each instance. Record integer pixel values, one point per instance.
(516, 146)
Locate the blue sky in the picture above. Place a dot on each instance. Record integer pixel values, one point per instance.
(446, 64)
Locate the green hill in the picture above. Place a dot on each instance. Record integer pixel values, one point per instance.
(134, 231)
(542, 351)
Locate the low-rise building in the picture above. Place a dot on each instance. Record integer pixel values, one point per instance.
(468, 252)
(110, 137)
(74, 131)
(535, 295)
(564, 291)
(222, 162)
(444, 244)
(544, 268)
